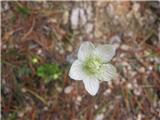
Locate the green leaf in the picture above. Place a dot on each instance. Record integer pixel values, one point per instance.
(49, 72)
(23, 10)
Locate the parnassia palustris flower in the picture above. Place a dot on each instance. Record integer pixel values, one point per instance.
(92, 65)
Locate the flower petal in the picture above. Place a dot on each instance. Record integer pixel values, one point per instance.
(91, 85)
(85, 50)
(76, 71)
(107, 72)
(105, 52)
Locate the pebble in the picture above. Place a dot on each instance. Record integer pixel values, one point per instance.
(110, 10)
(70, 58)
(122, 55)
(99, 117)
(89, 12)
(130, 34)
(7, 90)
(89, 27)
(139, 117)
(65, 17)
(96, 106)
(45, 108)
(23, 90)
(28, 108)
(133, 73)
(137, 91)
(59, 89)
(83, 18)
(141, 70)
(79, 98)
(110, 84)
(157, 59)
(69, 48)
(129, 86)
(115, 41)
(125, 63)
(107, 92)
(4, 46)
(39, 51)
(124, 47)
(74, 18)
(136, 7)
(52, 20)
(20, 114)
(5, 7)
(150, 68)
(61, 51)
(68, 89)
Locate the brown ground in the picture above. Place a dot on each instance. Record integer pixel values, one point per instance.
(51, 32)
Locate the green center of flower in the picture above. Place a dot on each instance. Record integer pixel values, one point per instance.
(92, 65)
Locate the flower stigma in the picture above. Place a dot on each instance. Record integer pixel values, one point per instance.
(92, 65)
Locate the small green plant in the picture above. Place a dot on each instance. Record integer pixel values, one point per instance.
(49, 72)
(23, 10)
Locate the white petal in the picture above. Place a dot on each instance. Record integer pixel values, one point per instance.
(91, 85)
(85, 50)
(107, 72)
(105, 52)
(76, 71)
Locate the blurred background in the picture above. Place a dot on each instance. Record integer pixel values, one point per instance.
(40, 40)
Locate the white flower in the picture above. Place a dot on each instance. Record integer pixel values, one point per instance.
(92, 66)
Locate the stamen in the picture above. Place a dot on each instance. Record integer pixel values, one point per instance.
(92, 65)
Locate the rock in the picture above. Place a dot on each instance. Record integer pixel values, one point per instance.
(5, 6)
(79, 98)
(137, 91)
(107, 92)
(74, 18)
(20, 114)
(78, 18)
(65, 17)
(141, 70)
(71, 58)
(129, 86)
(115, 41)
(82, 16)
(89, 27)
(69, 48)
(58, 88)
(110, 10)
(136, 7)
(124, 47)
(96, 106)
(68, 89)
(89, 11)
(99, 117)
